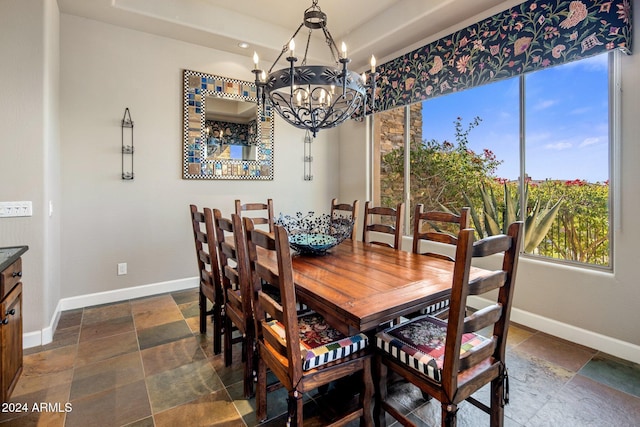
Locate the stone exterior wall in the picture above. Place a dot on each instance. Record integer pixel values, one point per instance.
(389, 135)
(392, 127)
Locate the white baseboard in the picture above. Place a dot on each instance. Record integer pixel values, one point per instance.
(613, 346)
(45, 336)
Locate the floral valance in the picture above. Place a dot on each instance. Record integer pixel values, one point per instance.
(528, 37)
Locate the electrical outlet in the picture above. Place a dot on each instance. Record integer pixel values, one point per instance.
(122, 268)
(10, 209)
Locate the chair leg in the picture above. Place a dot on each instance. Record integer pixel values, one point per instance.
(449, 415)
(261, 392)
(497, 408)
(202, 302)
(228, 341)
(296, 411)
(217, 328)
(380, 375)
(247, 346)
(366, 394)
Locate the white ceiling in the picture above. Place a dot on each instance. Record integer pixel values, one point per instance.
(379, 27)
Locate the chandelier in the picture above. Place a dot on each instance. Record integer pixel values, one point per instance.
(314, 97)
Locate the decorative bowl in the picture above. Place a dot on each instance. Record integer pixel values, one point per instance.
(315, 234)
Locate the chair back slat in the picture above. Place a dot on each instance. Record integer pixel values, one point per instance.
(233, 276)
(492, 245)
(204, 257)
(268, 275)
(482, 318)
(195, 215)
(270, 306)
(226, 250)
(437, 226)
(385, 220)
(482, 285)
(345, 210)
(477, 354)
(267, 218)
(440, 237)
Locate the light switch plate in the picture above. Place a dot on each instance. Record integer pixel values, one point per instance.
(12, 209)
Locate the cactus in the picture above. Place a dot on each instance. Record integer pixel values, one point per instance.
(537, 222)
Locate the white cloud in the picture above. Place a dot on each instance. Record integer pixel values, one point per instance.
(534, 138)
(589, 141)
(559, 146)
(578, 111)
(543, 105)
(594, 63)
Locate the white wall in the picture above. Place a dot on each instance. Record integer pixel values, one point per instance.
(585, 305)
(29, 144)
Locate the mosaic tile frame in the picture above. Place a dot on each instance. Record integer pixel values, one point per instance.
(195, 165)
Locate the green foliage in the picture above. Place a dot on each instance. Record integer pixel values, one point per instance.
(496, 217)
(581, 229)
(440, 171)
(564, 219)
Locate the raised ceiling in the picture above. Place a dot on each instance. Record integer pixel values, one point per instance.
(380, 27)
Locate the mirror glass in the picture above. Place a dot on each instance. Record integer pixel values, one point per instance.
(227, 135)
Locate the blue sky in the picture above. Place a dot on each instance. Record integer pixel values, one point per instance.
(567, 132)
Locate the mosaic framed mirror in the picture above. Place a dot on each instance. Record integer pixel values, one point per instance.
(226, 135)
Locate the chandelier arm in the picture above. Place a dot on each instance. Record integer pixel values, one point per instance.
(306, 49)
(333, 48)
(284, 49)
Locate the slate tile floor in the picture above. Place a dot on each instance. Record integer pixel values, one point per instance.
(143, 363)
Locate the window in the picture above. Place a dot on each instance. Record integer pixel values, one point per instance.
(471, 148)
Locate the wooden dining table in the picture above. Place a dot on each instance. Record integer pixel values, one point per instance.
(358, 286)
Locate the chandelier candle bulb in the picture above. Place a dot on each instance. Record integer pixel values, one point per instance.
(373, 64)
(255, 60)
(292, 48)
(344, 50)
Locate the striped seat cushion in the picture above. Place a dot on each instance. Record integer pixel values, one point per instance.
(420, 344)
(319, 342)
(436, 307)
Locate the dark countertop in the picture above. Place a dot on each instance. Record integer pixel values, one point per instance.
(10, 254)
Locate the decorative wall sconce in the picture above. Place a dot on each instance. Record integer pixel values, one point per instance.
(127, 150)
(308, 158)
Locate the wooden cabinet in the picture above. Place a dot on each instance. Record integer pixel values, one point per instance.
(10, 319)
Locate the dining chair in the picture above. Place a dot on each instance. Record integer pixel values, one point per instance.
(390, 221)
(345, 210)
(268, 217)
(450, 360)
(237, 293)
(210, 287)
(303, 352)
(441, 227)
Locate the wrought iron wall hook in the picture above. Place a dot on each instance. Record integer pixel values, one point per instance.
(127, 150)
